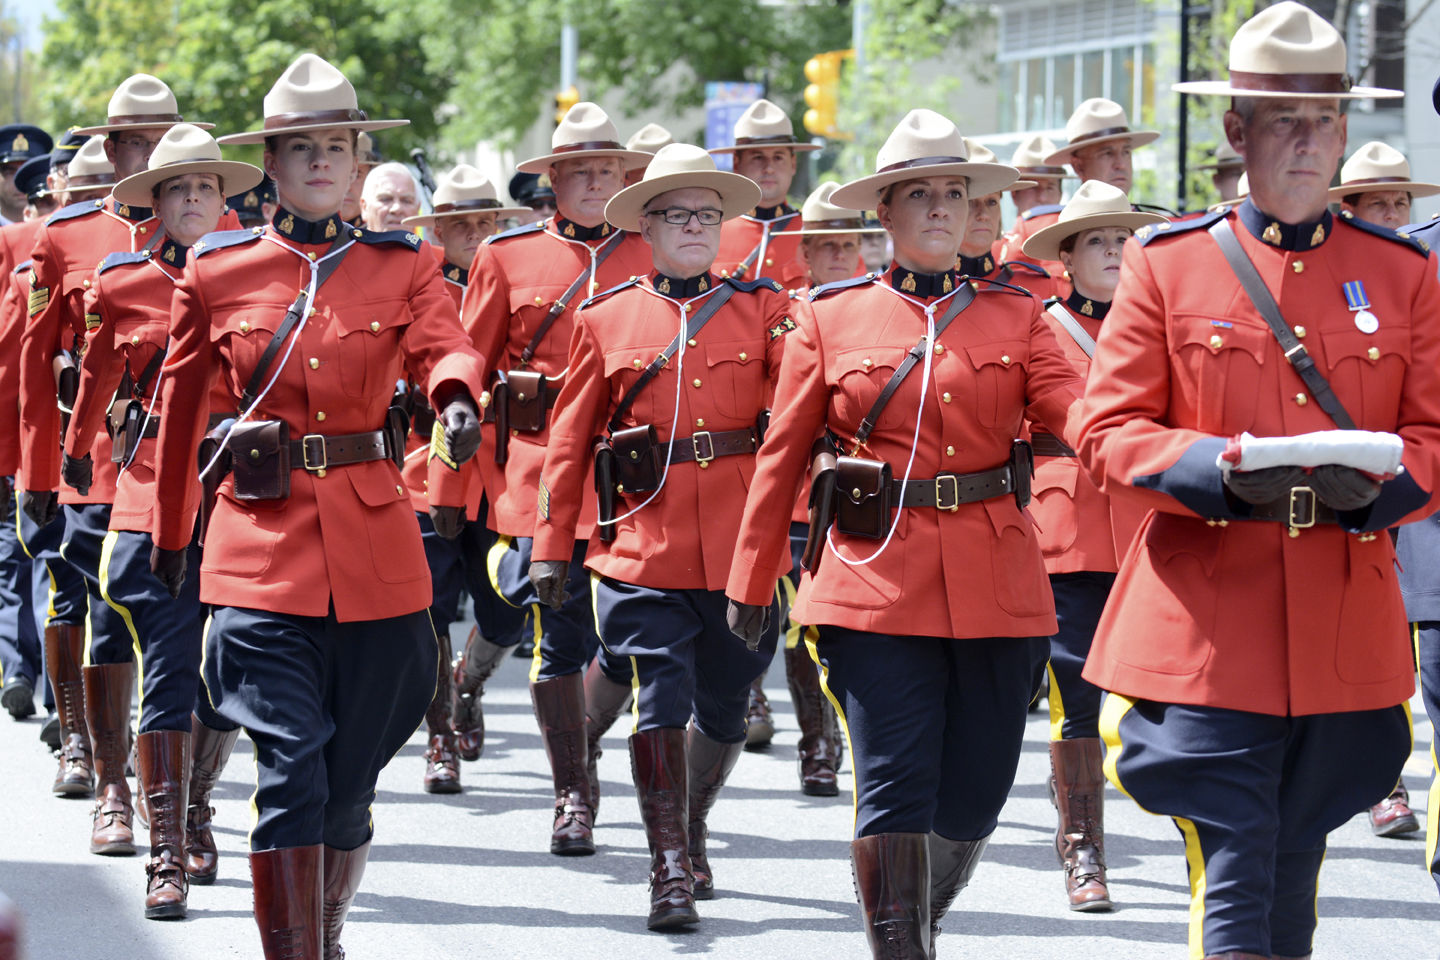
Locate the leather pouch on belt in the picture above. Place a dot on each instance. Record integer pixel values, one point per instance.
(637, 459)
(862, 507)
(823, 492)
(125, 435)
(260, 453)
(528, 392)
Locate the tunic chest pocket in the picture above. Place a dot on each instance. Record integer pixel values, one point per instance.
(622, 369)
(999, 381)
(241, 337)
(1220, 363)
(737, 378)
(860, 374)
(1367, 371)
(369, 345)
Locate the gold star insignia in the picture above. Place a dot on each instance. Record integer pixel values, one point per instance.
(287, 226)
(664, 286)
(1318, 237)
(1088, 309)
(908, 284)
(1271, 234)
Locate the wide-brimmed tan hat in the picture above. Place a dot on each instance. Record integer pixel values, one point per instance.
(763, 125)
(90, 170)
(185, 148)
(1287, 50)
(649, 139)
(983, 154)
(1029, 159)
(1098, 120)
(1379, 166)
(140, 101)
(923, 144)
(676, 167)
(1095, 204)
(464, 190)
(586, 131)
(1225, 156)
(311, 95)
(1242, 190)
(819, 216)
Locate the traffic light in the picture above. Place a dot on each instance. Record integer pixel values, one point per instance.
(822, 95)
(564, 100)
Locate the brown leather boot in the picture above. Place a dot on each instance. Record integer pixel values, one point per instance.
(709, 765)
(604, 700)
(1078, 792)
(209, 751)
(657, 763)
(952, 864)
(759, 722)
(64, 652)
(107, 714)
(476, 665)
(163, 758)
(560, 711)
(286, 885)
(892, 882)
(1392, 817)
(442, 762)
(819, 747)
(343, 870)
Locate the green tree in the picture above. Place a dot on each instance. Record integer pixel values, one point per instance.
(17, 73)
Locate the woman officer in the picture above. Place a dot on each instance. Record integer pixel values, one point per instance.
(930, 596)
(1079, 536)
(319, 643)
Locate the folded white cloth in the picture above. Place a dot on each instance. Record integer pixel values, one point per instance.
(1378, 454)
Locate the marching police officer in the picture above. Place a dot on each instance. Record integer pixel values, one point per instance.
(19, 143)
(978, 253)
(648, 139)
(532, 190)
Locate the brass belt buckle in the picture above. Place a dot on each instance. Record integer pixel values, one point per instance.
(1302, 508)
(316, 441)
(954, 482)
(703, 441)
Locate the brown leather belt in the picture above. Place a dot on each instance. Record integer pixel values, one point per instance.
(315, 451)
(1049, 445)
(705, 446)
(1300, 509)
(947, 491)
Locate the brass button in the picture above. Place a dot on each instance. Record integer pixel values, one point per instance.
(1294, 533)
(312, 312)
(704, 464)
(690, 342)
(744, 356)
(1005, 359)
(86, 284)
(769, 262)
(374, 326)
(1300, 333)
(139, 229)
(1298, 266)
(1216, 341)
(314, 363)
(1209, 523)
(1301, 399)
(539, 300)
(1373, 353)
(311, 254)
(320, 472)
(1224, 523)
(514, 433)
(699, 421)
(399, 489)
(320, 415)
(856, 493)
(945, 396)
(136, 340)
(867, 363)
(949, 451)
(939, 348)
(254, 454)
(357, 234)
(637, 363)
(244, 326)
(695, 382)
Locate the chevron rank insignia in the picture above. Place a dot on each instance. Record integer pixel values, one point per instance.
(544, 501)
(439, 450)
(39, 298)
(92, 320)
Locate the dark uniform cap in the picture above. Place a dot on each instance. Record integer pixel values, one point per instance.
(527, 188)
(251, 200)
(30, 178)
(20, 142)
(69, 145)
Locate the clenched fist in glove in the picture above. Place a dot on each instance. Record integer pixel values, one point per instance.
(548, 577)
(748, 622)
(1343, 488)
(462, 427)
(1265, 485)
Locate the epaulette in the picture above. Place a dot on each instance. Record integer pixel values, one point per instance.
(991, 284)
(1050, 302)
(23, 266)
(535, 227)
(1401, 236)
(828, 288)
(1034, 268)
(1041, 210)
(1428, 232)
(123, 256)
(759, 283)
(73, 210)
(1171, 228)
(605, 293)
(221, 239)
(404, 238)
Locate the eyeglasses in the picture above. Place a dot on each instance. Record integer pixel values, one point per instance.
(138, 143)
(680, 216)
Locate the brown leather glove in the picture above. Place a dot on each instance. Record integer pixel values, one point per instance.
(169, 568)
(549, 578)
(41, 506)
(78, 473)
(1265, 485)
(462, 428)
(1343, 488)
(7, 497)
(447, 521)
(748, 622)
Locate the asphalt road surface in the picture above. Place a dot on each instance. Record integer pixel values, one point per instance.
(470, 876)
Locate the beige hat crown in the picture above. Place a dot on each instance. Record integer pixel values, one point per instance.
(649, 138)
(464, 190)
(1377, 166)
(311, 95)
(186, 148)
(820, 216)
(676, 167)
(1225, 156)
(1096, 121)
(140, 101)
(586, 131)
(763, 124)
(983, 154)
(90, 168)
(1029, 158)
(924, 144)
(1095, 204)
(1287, 50)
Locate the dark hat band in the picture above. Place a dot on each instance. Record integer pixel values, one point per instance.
(778, 140)
(1292, 82)
(1374, 182)
(590, 145)
(1097, 134)
(852, 223)
(281, 121)
(1043, 171)
(922, 162)
(90, 180)
(462, 206)
(144, 120)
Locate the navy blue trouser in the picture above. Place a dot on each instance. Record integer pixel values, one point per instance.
(1075, 701)
(458, 566)
(67, 600)
(1427, 654)
(935, 725)
(327, 705)
(1254, 797)
(86, 525)
(20, 654)
(686, 660)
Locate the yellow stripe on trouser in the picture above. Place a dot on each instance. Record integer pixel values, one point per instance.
(1432, 809)
(634, 666)
(107, 551)
(492, 566)
(535, 654)
(794, 632)
(1057, 705)
(20, 536)
(812, 635)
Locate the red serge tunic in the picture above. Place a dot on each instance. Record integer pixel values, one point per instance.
(972, 572)
(775, 234)
(16, 241)
(346, 537)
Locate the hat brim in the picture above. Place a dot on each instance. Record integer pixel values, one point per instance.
(135, 190)
(1226, 165)
(88, 188)
(428, 219)
(985, 178)
(799, 146)
(1044, 244)
(737, 194)
(1223, 88)
(1413, 187)
(1028, 175)
(633, 159)
(260, 136)
(1137, 138)
(116, 127)
(831, 231)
